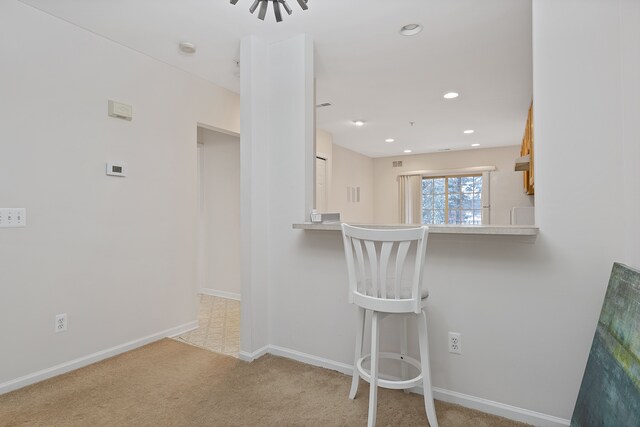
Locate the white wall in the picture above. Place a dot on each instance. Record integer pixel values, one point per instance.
(347, 169)
(630, 111)
(324, 149)
(581, 96)
(506, 184)
(220, 224)
(116, 254)
(352, 170)
(324, 143)
(489, 288)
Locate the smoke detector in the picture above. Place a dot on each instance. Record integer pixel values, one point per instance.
(187, 47)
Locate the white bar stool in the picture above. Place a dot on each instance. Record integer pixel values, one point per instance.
(377, 284)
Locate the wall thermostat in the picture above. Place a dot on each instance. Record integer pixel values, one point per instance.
(116, 169)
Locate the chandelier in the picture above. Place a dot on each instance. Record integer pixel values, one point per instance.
(276, 7)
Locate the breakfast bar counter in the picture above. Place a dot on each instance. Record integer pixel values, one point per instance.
(495, 230)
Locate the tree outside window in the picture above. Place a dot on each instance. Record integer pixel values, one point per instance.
(452, 200)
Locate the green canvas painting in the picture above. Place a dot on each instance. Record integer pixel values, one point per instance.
(610, 390)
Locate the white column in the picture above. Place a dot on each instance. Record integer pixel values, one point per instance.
(254, 152)
(277, 147)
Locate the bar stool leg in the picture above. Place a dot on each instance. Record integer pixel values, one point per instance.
(358, 353)
(403, 351)
(426, 370)
(373, 385)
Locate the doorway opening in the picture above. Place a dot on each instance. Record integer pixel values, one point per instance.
(321, 184)
(218, 240)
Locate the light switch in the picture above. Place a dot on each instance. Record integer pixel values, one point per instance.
(13, 217)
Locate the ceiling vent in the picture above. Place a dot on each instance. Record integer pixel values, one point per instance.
(397, 164)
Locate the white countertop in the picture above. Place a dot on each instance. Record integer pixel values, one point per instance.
(496, 230)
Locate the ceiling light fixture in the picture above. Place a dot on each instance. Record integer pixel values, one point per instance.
(475, 145)
(407, 151)
(451, 95)
(359, 122)
(468, 131)
(264, 4)
(411, 29)
(389, 140)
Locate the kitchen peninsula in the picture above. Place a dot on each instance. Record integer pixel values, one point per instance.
(495, 230)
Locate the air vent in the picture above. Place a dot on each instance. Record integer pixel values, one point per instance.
(324, 104)
(397, 164)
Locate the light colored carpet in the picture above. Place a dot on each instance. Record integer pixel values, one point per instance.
(219, 330)
(169, 383)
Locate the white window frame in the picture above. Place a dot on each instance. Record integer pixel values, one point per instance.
(475, 170)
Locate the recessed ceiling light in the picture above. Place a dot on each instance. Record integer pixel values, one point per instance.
(359, 122)
(451, 95)
(469, 131)
(389, 140)
(187, 47)
(411, 29)
(475, 145)
(407, 151)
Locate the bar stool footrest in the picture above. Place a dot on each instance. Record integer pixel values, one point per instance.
(392, 384)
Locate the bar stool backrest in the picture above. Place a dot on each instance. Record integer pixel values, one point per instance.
(385, 267)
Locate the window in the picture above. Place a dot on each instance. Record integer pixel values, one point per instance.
(452, 199)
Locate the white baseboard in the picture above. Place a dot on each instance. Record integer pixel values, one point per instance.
(500, 409)
(250, 357)
(179, 330)
(310, 360)
(221, 294)
(468, 401)
(93, 358)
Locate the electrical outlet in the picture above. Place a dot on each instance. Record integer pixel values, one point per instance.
(61, 322)
(455, 343)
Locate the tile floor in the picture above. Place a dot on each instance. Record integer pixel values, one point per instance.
(219, 330)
